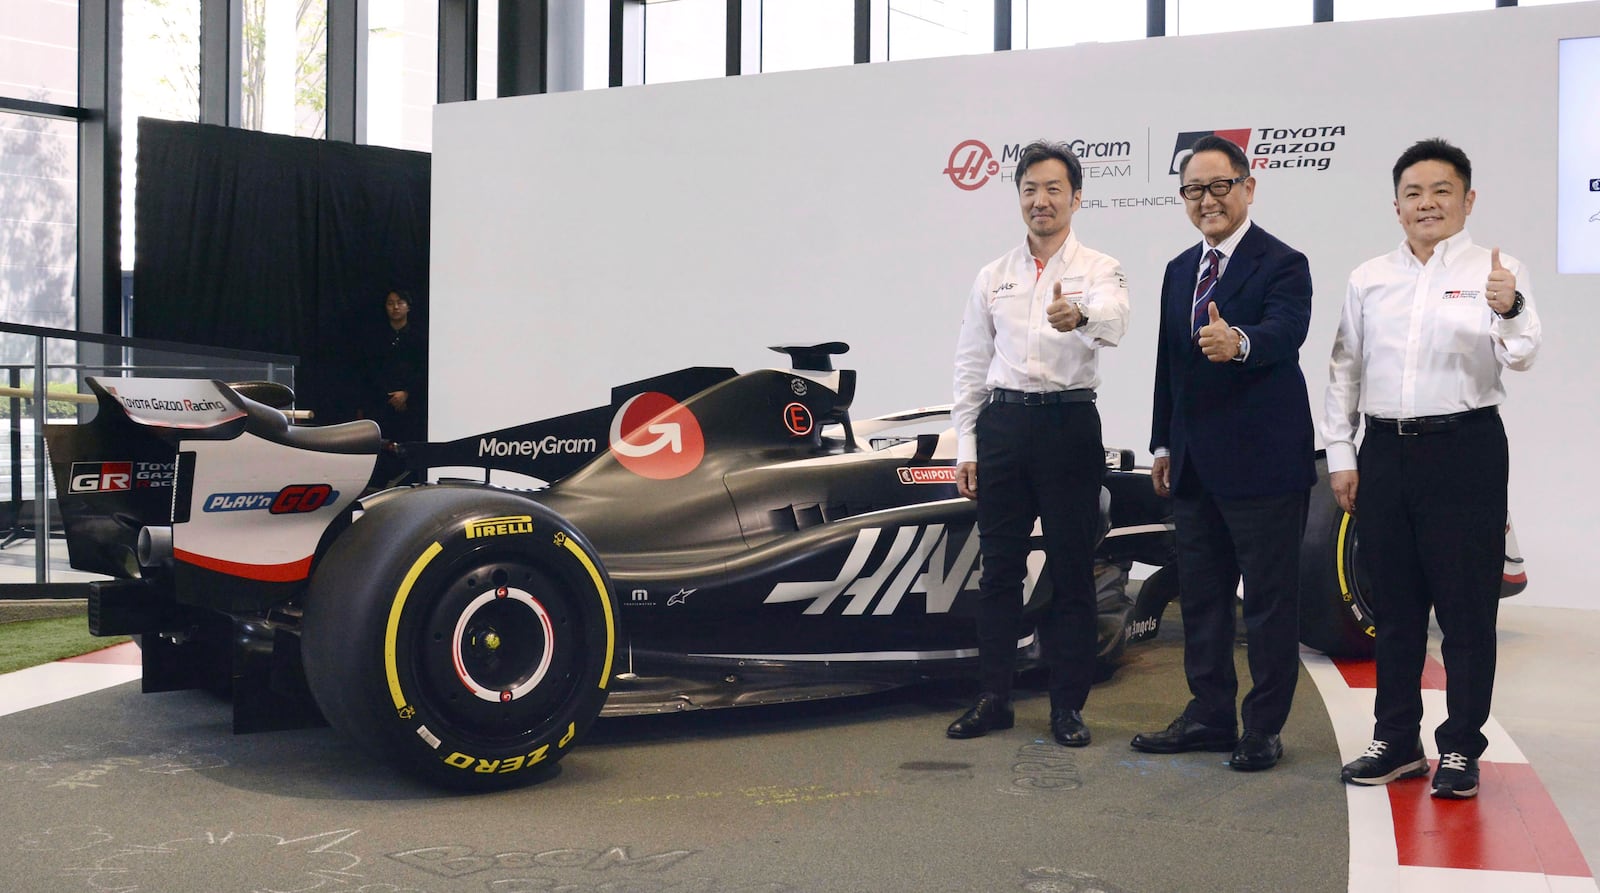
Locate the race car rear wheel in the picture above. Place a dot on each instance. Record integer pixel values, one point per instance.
(1337, 615)
(463, 634)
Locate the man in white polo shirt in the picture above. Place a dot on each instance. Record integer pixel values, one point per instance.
(1425, 332)
(1025, 374)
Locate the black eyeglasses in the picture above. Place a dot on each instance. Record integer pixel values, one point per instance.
(1218, 188)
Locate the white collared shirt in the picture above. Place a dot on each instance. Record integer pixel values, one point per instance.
(1420, 339)
(1006, 342)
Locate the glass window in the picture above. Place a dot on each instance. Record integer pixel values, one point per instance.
(160, 79)
(1352, 10)
(39, 51)
(1214, 16)
(919, 29)
(799, 34)
(1059, 23)
(402, 72)
(38, 220)
(286, 66)
(488, 49)
(685, 40)
(596, 44)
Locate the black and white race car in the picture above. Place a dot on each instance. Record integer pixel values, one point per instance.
(705, 539)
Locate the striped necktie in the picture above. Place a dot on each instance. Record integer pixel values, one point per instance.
(1203, 290)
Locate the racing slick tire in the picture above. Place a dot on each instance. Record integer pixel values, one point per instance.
(1337, 614)
(462, 634)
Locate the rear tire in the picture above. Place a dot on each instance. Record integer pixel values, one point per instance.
(1337, 615)
(462, 634)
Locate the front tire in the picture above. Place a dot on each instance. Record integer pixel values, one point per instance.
(463, 634)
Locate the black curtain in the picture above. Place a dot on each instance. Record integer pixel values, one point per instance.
(256, 241)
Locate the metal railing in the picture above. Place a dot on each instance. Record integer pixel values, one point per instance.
(41, 381)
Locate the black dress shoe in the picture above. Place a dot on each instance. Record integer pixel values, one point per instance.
(1185, 735)
(1256, 751)
(1068, 728)
(990, 713)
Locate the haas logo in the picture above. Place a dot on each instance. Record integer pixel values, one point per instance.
(657, 437)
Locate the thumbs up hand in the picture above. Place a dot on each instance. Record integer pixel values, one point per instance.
(1217, 340)
(1501, 289)
(1061, 314)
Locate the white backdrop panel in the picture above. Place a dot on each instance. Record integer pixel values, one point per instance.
(581, 240)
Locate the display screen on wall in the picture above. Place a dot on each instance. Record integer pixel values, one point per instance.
(1578, 158)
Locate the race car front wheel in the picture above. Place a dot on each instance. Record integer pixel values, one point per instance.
(463, 634)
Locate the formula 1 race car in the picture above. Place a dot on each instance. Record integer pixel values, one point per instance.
(705, 539)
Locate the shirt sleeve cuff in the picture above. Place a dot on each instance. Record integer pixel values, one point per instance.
(967, 449)
(1161, 452)
(1341, 457)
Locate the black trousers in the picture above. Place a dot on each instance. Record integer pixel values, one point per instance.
(1219, 541)
(1431, 515)
(1045, 463)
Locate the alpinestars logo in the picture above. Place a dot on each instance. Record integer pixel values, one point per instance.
(924, 561)
(655, 436)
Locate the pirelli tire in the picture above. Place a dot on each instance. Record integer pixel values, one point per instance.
(1337, 608)
(462, 634)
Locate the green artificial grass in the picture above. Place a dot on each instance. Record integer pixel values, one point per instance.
(28, 643)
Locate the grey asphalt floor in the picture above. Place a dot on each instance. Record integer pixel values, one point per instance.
(122, 791)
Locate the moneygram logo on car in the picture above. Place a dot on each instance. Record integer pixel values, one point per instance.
(655, 436)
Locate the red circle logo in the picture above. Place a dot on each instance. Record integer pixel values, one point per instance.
(797, 418)
(971, 165)
(657, 437)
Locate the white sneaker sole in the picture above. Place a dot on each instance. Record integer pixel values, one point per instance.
(1413, 769)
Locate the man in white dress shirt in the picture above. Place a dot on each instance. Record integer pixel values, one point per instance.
(1025, 374)
(1425, 332)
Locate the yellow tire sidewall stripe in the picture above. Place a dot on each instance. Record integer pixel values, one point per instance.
(392, 629)
(605, 604)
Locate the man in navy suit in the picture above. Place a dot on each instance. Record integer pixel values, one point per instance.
(1232, 437)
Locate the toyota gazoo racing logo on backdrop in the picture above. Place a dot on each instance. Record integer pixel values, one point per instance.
(115, 477)
(1271, 148)
(972, 164)
(655, 436)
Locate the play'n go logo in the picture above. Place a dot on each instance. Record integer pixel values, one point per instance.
(657, 437)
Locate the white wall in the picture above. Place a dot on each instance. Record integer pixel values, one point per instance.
(584, 240)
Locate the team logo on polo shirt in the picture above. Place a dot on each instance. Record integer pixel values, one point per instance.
(1463, 294)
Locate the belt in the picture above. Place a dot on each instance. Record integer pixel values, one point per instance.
(1041, 398)
(1430, 424)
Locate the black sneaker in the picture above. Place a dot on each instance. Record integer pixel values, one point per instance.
(1382, 764)
(1456, 778)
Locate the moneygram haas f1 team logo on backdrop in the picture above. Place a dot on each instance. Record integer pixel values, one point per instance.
(655, 436)
(971, 165)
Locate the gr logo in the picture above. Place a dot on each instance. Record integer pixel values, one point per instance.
(1594, 185)
(101, 477)
(1183, 147)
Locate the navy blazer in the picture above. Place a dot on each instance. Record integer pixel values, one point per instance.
(1245, 428)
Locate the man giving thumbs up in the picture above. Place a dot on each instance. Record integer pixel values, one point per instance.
(1425, 331)
(1232, 438)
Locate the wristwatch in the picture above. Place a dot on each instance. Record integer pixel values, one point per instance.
(1083, 313)
(1516, 307)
